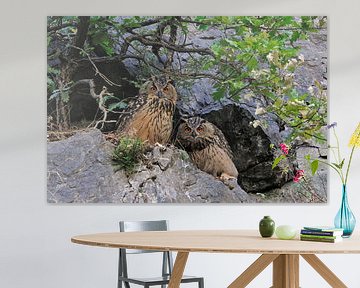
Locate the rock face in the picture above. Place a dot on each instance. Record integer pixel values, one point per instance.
(80, 171)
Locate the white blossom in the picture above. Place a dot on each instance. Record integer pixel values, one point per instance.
(301, 58)
(311, 90)
(248, 96)
(273, 57)
(260, 111)
(291, 64)
(255, 123)
(289, 78)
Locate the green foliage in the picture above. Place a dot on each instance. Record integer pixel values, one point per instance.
(314, 166)
(260, 57)
(256, 57)
(52, 73)
(278, 160)
(99, 34)
(117, 106)
(127, 154)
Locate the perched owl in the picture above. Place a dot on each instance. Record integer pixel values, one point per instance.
(149, 116)
(207, 147)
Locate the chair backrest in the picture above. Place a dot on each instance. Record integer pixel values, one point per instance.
(134, 226)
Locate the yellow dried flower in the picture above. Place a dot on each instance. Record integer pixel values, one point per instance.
(355, 137)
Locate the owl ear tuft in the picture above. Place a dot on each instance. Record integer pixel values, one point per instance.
(170, 81)
(183, 120)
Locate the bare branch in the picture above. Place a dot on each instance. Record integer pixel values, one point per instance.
(97, 72)
(59, 27)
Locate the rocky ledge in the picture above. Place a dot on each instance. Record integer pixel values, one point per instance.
(80, 170)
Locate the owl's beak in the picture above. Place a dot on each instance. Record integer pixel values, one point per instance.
(159, 94)
(194, 134)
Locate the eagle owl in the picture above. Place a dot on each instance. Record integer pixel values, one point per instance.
(149, 116)
(207, 147)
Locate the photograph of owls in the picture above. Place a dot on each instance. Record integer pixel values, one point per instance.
(149, 116)
(187, 109)
(207, 147)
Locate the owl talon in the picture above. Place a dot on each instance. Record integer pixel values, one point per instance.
(228, 180)
(226, 177)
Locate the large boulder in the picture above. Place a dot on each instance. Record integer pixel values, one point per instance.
(80, 170)
(253, 156)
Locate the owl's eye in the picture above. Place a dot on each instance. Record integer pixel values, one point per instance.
(187, 129)
(153, 88)
(166, 89)
(200, 129)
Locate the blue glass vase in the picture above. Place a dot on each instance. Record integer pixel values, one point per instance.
(345, 219)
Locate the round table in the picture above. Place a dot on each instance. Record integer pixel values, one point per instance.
(284, 254)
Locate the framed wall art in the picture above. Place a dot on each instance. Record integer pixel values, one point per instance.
(186, 109)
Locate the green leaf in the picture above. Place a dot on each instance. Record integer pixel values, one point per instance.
(277, 161)
(314, 166)
(99, 37)
(339, 165)
(203, 27)
(342, 163)
(252, 64)
(119, 105)
(219, 94)
(108, 97)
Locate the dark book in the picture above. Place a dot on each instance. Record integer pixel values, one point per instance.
(321, 233)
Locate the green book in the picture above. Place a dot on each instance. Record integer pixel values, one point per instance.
(319, 236)
(325, 240)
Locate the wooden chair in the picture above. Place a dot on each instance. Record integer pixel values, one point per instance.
(167, 262)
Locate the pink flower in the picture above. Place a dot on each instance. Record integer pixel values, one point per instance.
(284, 148)
(298, 175)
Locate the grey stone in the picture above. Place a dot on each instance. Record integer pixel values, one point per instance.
(80, 170)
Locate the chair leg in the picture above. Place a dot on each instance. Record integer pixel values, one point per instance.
(201, 283)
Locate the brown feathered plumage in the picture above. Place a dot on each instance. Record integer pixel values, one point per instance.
(207, 147)
(149, 116)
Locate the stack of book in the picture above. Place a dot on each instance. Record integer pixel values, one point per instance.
(321, 234)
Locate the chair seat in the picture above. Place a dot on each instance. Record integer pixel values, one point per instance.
(158, 280)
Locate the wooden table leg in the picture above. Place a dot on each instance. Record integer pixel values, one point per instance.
(253, 270)
(286, 271)
(324, 271)
(178, 270)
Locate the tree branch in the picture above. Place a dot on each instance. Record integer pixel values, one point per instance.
(80, 37)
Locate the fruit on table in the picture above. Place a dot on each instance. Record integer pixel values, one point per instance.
(285, 232)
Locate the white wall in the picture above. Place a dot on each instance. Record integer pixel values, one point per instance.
(35, 248)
